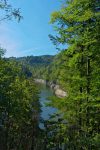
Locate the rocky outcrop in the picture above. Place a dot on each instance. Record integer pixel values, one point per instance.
(40, 81)
(57, 90)
(60, 93)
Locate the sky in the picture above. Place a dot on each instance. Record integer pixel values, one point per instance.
(30, 36)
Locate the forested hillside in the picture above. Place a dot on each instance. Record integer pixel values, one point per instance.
(55, 69)
(35, 66)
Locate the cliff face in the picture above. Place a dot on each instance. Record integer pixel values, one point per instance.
(57, 90)
(60, 93)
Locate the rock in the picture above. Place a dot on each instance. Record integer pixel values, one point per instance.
(57, 90)
(60, 93)
(40, 81)
(56, 87)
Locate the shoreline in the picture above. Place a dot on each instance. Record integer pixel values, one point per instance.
(57, 90)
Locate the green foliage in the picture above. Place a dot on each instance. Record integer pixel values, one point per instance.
(19, 107)
(77, 24)
(2, 52)
(76, 69)
(35, 66)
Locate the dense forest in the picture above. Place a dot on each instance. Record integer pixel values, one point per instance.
(76, 68)
(35, 66)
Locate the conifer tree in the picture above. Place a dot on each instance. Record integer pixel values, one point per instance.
(77, 24)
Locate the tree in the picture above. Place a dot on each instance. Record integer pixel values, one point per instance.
(8, 12)
(77, 24)
(18, 106)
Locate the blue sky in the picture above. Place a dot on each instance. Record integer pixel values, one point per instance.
(30, 36)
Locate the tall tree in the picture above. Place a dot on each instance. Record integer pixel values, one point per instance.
(77, 24)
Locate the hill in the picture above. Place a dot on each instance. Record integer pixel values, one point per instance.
(35, 66)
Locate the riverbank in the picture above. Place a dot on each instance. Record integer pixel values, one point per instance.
(56, 88)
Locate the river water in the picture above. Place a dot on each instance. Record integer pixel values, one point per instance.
(45, 93)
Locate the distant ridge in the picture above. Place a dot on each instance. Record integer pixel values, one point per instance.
(34, 60)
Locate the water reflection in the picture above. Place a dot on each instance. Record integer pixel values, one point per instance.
(45, 93)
